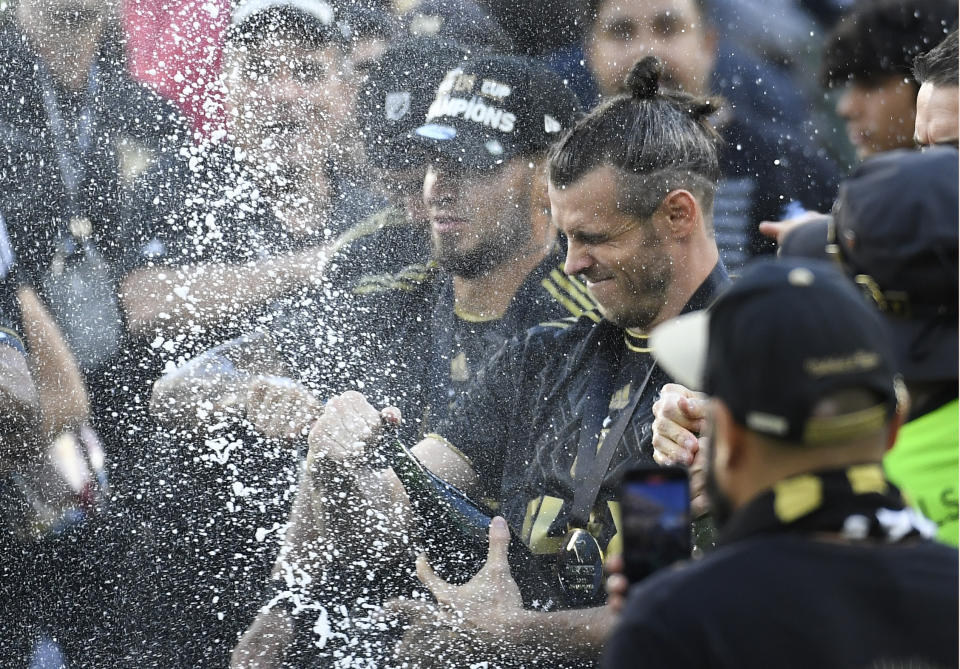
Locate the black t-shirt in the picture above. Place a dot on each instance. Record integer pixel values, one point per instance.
(520, 422)
(786, 600)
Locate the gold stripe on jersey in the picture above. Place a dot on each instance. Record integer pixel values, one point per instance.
(387, 218)
(563, 325)
(636, 342)
(570, 305)
(407, 279)
(566, 284)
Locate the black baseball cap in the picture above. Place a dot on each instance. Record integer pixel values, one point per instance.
(394, 100)
(461, 21)
(785, 336)
(313, 21)
(896, 233)
(494, 108)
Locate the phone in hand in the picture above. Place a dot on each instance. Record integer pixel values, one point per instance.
(655, 508)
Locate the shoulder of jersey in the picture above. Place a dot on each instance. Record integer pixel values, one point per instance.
(572, 295)
(386, 218)
(409, 279)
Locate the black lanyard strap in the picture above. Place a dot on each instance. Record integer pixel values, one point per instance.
(593, 465)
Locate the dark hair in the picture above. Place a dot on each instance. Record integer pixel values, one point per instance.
(879, 39)
(657, 140)
(939, 64)
(594, 7)
(285, 23)
(369, 22)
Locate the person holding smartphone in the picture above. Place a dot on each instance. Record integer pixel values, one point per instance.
(820, 562)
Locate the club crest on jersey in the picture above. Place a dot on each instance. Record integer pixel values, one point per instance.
(397, 105)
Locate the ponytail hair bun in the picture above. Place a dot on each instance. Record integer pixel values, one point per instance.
(643, 81)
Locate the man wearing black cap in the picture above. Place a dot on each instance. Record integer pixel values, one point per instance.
(820, 563)
(894, 232)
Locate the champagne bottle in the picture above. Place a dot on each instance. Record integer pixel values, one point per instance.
(454, 530)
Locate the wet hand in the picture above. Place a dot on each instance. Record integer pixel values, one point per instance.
(347, 425)
(679, 416)
(484, 612)
(281, 408)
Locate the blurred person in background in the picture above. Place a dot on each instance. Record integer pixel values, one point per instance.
(176, 48)
(59, 580)
(80, 185)
(770, 168)
(937, 123)
(87, 159)
(868, 56)
(258, 218)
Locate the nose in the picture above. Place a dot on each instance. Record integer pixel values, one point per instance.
(848, 103)
(578, 258)
(285, 89)
(439, 187)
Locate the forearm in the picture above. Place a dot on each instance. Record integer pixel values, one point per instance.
(165, 300)
(61, 391)
(213, 385)
(571, 633)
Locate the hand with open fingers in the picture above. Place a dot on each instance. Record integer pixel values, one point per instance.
(617, 584)
(482, 613)
(678, 418)
(281, 408)
(348, 423)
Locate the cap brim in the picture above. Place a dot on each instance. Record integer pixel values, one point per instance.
(464, 147)
(680, 347)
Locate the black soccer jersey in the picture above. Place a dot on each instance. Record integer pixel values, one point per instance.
(522, 424)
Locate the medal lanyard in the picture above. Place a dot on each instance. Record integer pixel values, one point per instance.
(72, 162)
(593, 465)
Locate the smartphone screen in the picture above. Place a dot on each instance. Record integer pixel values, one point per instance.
(655, 505)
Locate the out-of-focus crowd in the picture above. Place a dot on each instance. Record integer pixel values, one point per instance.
(226, 226)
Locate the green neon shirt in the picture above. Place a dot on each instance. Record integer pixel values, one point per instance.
(924, 465)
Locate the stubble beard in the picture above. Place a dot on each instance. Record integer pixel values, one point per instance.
(509, 241)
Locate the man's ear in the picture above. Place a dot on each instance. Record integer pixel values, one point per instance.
(682, 213)
(900, 415)
(727, 437)
(539, 191)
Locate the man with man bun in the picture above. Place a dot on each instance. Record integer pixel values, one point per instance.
(553, 420)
